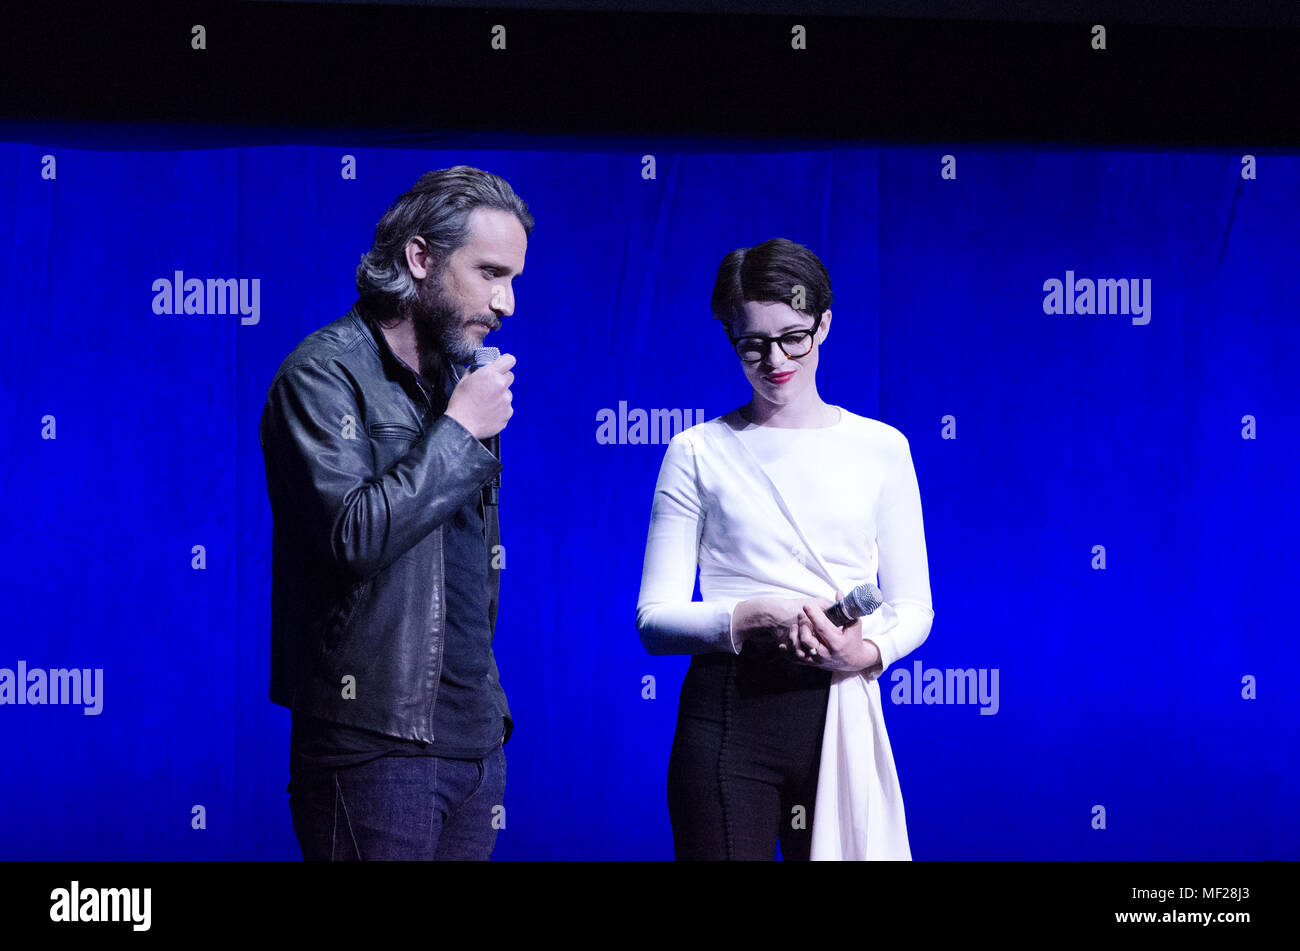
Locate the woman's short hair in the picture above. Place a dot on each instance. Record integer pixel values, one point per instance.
(437, 208)
(771, 272)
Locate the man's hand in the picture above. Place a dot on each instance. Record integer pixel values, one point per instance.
(481, 400)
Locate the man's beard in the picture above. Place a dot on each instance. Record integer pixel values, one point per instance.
(440, 332)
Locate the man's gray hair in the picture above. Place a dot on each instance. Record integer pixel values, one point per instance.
(437, 208)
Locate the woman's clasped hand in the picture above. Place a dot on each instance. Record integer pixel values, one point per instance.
(801, 631)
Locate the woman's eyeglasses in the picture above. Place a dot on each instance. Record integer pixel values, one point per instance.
(796, 343)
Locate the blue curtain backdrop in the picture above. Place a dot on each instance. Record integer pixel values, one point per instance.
(1161, 687)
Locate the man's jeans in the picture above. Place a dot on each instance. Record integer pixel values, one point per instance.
(401, 808)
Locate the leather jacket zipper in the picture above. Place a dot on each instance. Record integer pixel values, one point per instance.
(442, 593)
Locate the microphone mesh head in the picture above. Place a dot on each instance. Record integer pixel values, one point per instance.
(863, 600)
(485, 355)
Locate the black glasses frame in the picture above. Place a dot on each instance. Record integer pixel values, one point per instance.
(768, 341)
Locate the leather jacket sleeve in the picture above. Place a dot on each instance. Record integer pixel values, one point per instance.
(314, 429)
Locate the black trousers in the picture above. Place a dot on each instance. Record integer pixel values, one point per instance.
(743, 770)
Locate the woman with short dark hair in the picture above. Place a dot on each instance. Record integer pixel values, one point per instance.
(783, 504)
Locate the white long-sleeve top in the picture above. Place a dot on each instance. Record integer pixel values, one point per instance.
(852, 491)
(852, 487)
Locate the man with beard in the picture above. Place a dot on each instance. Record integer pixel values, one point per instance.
(385, 551)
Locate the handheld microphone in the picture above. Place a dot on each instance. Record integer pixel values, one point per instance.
(861, 601)
(482, 357)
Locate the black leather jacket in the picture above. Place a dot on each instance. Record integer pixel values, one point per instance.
(362, 470)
